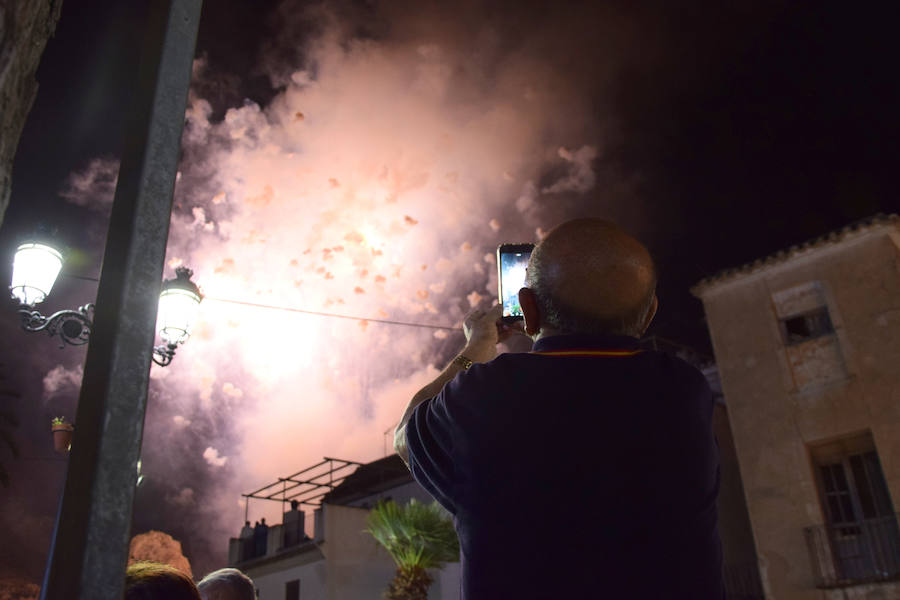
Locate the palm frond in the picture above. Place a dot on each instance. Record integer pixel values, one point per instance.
(415, 535)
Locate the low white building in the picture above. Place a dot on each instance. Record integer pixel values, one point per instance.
(341, 561)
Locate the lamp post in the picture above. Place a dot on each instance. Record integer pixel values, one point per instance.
(89, 549)
(35, 269)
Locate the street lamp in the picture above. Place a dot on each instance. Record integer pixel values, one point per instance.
(179, 303)
(35, 268)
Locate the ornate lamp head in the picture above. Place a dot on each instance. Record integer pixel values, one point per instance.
(35, 269)
(179, 303)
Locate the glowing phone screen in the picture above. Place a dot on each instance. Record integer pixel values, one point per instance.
(512, 278)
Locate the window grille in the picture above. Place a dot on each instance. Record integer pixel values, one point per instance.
(860, 539)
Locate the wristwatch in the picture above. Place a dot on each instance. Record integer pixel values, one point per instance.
(463, 361)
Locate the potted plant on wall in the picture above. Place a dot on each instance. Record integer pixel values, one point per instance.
(62, 434)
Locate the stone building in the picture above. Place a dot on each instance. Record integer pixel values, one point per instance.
(807, 343)
(25, 27)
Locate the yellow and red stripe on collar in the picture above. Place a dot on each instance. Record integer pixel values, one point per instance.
(613, 353)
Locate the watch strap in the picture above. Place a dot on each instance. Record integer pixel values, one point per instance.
(463, 361)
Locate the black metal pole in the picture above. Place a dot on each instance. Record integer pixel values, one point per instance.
(90, 549)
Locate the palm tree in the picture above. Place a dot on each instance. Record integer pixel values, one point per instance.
(418, 537)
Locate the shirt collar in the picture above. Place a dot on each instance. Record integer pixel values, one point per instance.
(579, 341)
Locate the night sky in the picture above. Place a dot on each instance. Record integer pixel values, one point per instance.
(722, 134)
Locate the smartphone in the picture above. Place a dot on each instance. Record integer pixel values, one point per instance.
(511, 262)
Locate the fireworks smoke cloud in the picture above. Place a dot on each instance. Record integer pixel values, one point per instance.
(403, 144)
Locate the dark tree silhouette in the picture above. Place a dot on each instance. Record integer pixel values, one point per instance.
(8, 422)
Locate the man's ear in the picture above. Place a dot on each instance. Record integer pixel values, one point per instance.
(528, 302)
(650, 314)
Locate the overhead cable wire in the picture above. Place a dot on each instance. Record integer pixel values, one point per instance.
(307, 312)
(328, 314)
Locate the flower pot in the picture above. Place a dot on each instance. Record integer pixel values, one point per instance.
(62, 437)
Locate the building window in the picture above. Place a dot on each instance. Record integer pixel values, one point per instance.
(292, 590)
(860, 539)
(838, 497)
(807, 331)
(801, 328)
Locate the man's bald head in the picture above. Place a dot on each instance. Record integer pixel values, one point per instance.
(227, 584)
(589, 276)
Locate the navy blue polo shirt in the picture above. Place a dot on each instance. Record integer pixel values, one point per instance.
(586, 468)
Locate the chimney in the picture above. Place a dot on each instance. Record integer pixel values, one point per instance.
(293, 525)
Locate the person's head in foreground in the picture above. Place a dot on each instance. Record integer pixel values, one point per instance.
(588, 276)
(156, 581)
(227, 584)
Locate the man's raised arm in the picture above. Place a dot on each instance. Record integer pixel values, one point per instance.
(482, 335)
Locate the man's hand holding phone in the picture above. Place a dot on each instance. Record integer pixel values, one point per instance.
(484, 330)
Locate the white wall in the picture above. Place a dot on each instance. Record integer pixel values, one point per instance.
(311, 576)
(352, 565)
(313, 585)
(446, 583)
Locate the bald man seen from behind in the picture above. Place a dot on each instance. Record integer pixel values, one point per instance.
(227, 584)
(586, 468)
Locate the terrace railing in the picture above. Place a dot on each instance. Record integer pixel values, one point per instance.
(742, 582)
(858, 552)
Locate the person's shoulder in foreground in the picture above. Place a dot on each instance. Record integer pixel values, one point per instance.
(610, 446)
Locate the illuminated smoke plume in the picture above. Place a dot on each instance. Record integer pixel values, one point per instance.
(94, 185)
(377, 184)
(580, 177)
(60, 380)
(160, 547)
(211, 456)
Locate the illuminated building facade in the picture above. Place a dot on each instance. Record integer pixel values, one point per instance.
(807, 343)
(340, 561)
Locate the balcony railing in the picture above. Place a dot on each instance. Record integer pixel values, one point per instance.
(742, 582)
(850, 553)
